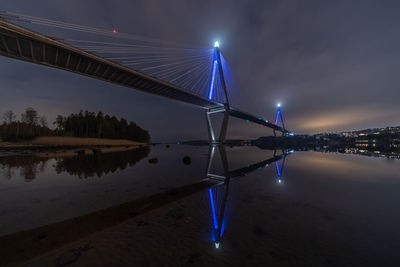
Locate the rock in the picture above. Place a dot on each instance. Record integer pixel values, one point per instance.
(153, 160)
(187, 160)
(195, 257)
(67, 258)
(72, 255)
(176, 213)
(258, 231)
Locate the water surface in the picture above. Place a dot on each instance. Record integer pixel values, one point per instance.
(292, 209)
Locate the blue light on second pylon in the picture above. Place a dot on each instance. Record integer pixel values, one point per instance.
(210, 94)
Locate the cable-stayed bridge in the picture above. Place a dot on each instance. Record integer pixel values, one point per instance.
(193, 76)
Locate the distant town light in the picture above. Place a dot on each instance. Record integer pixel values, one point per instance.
(216, 44)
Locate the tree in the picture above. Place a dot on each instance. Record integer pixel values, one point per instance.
(43, 121)
(60, 123)
(30, 116)
(9, 117)
(99, 123)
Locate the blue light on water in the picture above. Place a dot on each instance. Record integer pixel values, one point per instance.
(210, 94)
(213, 209)
(222, 228)
(277, 169)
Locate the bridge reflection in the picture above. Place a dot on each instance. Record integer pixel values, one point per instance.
(23, 246)
(219, 194)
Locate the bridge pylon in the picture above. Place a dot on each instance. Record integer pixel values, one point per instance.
(280, 167)
(279, 118)
(217, 65)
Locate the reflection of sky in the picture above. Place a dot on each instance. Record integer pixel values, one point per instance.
(345, 166)
(53, 196)
(326, 200)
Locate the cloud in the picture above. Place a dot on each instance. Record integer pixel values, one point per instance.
(348, 118)
(333, 65)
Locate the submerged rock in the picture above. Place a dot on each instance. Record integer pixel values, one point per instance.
(176, 213)
(187, 160)
(153, 160)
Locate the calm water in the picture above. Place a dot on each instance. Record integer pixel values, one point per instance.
(300, 209)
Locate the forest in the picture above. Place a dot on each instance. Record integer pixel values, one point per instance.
(82, 124)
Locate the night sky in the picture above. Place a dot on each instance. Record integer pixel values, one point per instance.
(334, 65)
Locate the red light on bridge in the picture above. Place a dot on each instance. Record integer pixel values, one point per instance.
(115, 31)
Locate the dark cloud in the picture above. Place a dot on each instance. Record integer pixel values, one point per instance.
(333, 64)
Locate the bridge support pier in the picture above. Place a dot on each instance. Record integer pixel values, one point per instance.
(224, 159)
(224, 127)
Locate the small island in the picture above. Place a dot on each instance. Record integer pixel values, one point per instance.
(77, 133)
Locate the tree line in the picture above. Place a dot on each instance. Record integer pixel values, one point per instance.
(29, 126)
(90, 124)
(82, 124)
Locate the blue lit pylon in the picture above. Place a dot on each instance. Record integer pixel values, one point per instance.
(218, 213)
(212, 80)
(217, 66)
(280, 168)
(279, 118)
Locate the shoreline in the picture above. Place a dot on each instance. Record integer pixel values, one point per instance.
(66, 146)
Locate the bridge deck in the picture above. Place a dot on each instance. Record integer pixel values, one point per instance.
(20, 43)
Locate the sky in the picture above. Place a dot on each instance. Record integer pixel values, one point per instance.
(332, 64)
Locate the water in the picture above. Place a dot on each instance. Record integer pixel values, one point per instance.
(319, 209)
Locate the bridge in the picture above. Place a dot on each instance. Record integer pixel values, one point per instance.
(20, 43)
